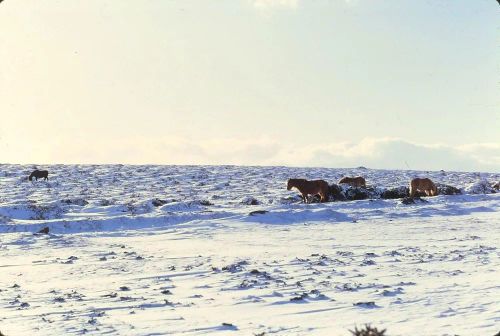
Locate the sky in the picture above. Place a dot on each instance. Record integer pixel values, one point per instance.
(396, 84)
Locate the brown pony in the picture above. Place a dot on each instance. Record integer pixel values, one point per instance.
(39, 174)
(357, 181)
(423, 184)
(315, 187)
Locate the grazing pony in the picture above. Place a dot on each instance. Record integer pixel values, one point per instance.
(423, 184)
(39, 174)
(305, 187)
(357, 181)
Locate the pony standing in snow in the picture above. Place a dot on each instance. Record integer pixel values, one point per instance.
(39, 174)
(424, 185)
(305, 187)
(358, 181)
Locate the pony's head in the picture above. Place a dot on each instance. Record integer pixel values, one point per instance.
(289, 184)
(30, 177)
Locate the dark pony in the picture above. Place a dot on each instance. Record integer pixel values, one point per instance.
(305, 187)
(423, 184)
(39, 174)
(358, 181)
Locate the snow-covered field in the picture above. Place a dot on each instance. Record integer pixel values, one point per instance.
(157, 250)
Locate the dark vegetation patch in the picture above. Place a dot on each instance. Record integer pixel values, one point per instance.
(349, 193)
(249, 200)
(158, 202)
(258, 212)
(45, 230)
(413, 200)
(206, 203)
(367, 330)
(394, 193)
(75, 201)
(444, 189)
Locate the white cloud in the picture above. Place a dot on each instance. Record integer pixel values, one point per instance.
(488, 153)
(400, 154)
(390, 153)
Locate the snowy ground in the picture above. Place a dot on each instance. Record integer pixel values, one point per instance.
(156, 250)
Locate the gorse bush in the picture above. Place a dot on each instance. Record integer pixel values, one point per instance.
(367, 331)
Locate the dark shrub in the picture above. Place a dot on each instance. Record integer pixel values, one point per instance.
(75, 201)
(444, 189)
(45, 230)
(249, 200)
(413, 200)
(355, 194)
(206, 203)
(258, 212)
(349, 193)
(314, 199)
(367, 331)
(393, 193)
(158, 202)
(336, 193)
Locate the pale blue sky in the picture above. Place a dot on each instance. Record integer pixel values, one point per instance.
(318, 82)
